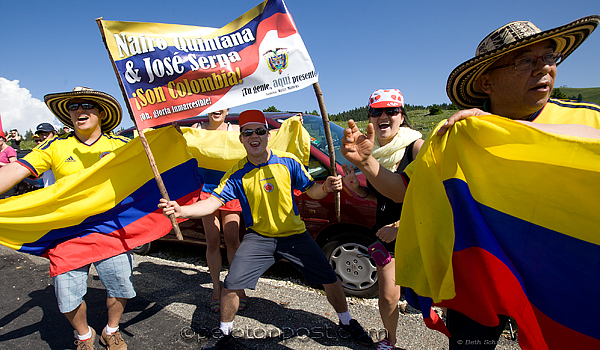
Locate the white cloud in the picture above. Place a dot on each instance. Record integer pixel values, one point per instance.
(19, 110)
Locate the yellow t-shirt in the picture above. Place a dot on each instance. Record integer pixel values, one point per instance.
(66, 155)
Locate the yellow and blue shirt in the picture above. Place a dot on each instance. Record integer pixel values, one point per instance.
(266, 193)
(553, 112)
(66, 155)
(568, 112)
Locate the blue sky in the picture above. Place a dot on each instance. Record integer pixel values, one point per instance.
(356, 46)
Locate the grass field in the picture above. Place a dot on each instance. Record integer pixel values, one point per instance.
(420, 120)
(588, 94)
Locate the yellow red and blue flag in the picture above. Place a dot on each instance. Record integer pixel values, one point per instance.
(502, 218)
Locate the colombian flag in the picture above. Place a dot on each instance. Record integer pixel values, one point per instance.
(103, 210)
(111, 207)
(501, 218)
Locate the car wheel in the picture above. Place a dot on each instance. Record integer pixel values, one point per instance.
(347, 253)
(144, 249)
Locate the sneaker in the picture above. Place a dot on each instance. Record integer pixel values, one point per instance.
(113, 341)
(223, 343)
(86, 344)
(357, 332)
(385, 345)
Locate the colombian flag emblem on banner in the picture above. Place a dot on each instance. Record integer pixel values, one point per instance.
(171, 72)
(502, 218)
(103, 210)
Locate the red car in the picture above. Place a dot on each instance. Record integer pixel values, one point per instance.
(344, 243)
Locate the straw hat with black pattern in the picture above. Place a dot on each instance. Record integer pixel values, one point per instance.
(58, 103)
(462, 88)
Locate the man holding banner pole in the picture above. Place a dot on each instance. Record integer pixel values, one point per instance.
(264, 181)
(92, 114)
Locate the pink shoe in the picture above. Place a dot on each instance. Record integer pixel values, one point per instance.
(385, 345)
(378, 252)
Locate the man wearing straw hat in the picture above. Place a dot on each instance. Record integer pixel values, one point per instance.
(512, 75)
(92, 115)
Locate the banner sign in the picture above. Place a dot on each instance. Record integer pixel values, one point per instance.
(171, 72)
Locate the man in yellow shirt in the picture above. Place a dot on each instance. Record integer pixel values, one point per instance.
(92, 115)
(264, 181)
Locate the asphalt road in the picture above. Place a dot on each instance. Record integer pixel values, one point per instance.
(171, 311)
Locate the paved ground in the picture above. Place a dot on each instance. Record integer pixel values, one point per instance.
(171, 311)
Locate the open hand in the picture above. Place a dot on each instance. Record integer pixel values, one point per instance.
(356, 146)
(350, 179)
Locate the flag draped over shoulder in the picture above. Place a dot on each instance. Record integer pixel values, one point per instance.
(501, 218)
(171, 72)
(103, 210)
(218, 151)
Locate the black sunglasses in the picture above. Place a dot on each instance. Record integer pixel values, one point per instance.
(249, 132)
(377, 112)
(84, 105)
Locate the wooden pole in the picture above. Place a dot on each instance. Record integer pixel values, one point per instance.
(330, 147)
(157, 177)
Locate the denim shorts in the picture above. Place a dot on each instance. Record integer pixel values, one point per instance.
(115, 274)
(257, 253)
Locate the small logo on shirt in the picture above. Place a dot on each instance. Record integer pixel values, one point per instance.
(70, 160)
(268, 187)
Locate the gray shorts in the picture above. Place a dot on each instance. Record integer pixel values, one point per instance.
(115, 274)
(257, 253)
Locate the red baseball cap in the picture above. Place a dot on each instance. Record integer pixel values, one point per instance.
(252, 116)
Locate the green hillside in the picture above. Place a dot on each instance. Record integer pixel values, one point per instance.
(420, 120)
(588, 94)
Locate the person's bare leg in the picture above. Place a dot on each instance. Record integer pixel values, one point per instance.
(116, 307)
(212, 230)
(78, 318)
(336, 296)
(230, 302)
(389, 295)
(231, 233)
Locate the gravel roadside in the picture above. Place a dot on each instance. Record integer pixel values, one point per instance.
(284, 312)
(171, 309)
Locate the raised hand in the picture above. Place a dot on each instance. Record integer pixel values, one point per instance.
(356, 146)
(350, 179)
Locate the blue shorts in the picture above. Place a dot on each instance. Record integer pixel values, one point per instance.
(257, 253)
(115, 274)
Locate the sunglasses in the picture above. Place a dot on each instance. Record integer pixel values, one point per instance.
(249, 132)
(390, 112)
(84, 105)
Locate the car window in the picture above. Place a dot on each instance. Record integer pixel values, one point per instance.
(314, 126)
(316, 169)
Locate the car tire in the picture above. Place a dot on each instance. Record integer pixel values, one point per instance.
(347, 253)
(144, 249)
